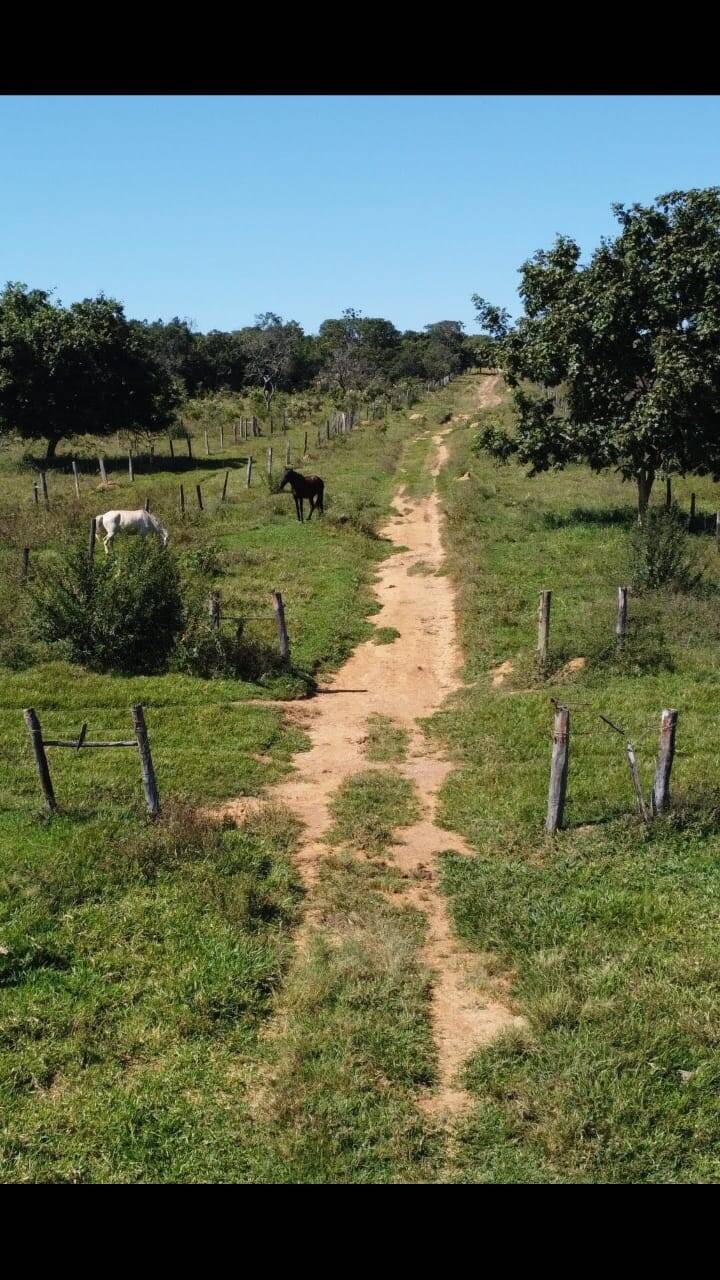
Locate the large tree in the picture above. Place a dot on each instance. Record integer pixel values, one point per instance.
(633, 337)
(76, 370)
(273, 350)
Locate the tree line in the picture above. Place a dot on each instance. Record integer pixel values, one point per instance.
(88, 369)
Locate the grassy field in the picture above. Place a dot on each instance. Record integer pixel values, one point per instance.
(139, 963)
(609, 930)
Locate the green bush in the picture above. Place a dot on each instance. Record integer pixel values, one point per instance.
(121, 613)
(661, 554)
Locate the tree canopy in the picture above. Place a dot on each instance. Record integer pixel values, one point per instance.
(76, 370)
(633, 337)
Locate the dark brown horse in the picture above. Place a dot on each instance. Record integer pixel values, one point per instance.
(310, 487)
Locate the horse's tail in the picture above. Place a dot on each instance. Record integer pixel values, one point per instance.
(99, 526)
(321, 497)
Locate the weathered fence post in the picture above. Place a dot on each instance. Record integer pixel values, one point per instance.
(222, 436)
(660, 796)
(130, 467)
(207, 443)
(214, 609)
(91, 536)
(269, 461)
(75, 478)
(691, 521)
(543, 625)
(621, 624)
(199, 497)
(248, 481)
(558, 770)
(717, 530)
(305, 445)
(182, 501)
(25, 563)
(635, 775)
(225, 485)
(172, 447)
(188, 442)
(147, 771)
(36, 494)
(33, 727)
(668, 491)
(103, 476)
(282, 629)
(234, 432)
(43, 481)
(147, 504)
(271, 424)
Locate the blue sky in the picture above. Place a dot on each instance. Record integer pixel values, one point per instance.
(216, 208)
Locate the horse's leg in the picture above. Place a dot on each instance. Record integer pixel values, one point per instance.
(298, 513)
(302, 510)
(106, 543)
(313, 504)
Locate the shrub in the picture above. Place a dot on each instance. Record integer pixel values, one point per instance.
(205, 560)
(119, 614)
(661, 554)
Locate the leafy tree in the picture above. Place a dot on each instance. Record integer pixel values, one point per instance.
(76, 370)
(634, 336)
(273, 350)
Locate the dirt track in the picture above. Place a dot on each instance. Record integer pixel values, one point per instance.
(406, 680)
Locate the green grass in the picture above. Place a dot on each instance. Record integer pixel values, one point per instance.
(608, 929)
(385, 635)
(354, 1045)
(368, 808)
(386, 740)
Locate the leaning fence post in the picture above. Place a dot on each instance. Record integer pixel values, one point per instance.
(282, 629)
(225, 485)
(199, 497)
(249, 472)
(558, 770)
(660, 796)
(33, 727)
(147, 771)
(103, 476)
(75, 478)
(635, 775)
(188, 442)
(91, 536)
(304, 446)
(621, 624)
(544, 625)
(172, 447)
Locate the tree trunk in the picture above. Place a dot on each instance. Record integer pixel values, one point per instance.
(50, 455)
(644, 484)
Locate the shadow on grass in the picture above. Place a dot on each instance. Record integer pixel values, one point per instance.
(626, 516)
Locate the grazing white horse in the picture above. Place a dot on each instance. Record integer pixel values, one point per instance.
(142, 522)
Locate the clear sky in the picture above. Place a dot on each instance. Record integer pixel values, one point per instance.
(216, 208)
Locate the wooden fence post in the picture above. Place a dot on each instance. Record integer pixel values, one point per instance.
(36, 494)
(199, 497)
(147, 504)
(305, 445)
(214, 609)
(172, 447)
(544, 625)
(207, 443)
(103, 475)
(282, 629)
(75, 478)
(91, 537)
(43, 481)
(558, 770)
(635, 775)
(225, 485)
(222, 436)
(269, 461)
(248, 481)
(660, 796)
(33, 727)
(621, 623)
(182, 502)
(147, 771)
(717, 530)
(130, 467)
(234, 432)
(691, 522)
(668, 491)
(188, 442)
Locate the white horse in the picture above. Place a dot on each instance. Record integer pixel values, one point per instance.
(142, 522)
